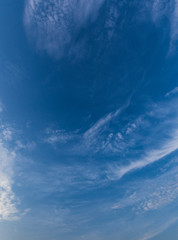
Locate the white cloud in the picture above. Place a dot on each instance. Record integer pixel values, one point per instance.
(163, 196)
(150, 194)
(151, 156)
(160, 8)
(8, 157)
(54, 24)
(91, 139)
(99, 125)
(91, 135)
(8, 210)
(61, 178)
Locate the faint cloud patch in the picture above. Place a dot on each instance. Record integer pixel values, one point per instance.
(26, 146)
(58, 136)
(62, 178)
(150, 157)
(8, 157)
(167, 9)
(155, 232)
(8, 201)
(174, 91)
(54, 25)
(151, 194)
(1, 107)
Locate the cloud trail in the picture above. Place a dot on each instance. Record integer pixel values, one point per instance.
(174, 91)
(150, 157)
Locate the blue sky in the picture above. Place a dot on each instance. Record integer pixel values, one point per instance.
(88, 119)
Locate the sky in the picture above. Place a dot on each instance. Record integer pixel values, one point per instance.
(88, 120)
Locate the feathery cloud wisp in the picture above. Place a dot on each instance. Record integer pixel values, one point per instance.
(54, 24)
(150, 157)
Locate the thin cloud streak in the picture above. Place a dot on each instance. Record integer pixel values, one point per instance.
(91, 132)
(152, 156)
(8, 200)
(174, 91)
(92, 138)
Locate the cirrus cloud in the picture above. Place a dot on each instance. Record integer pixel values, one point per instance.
(55, 24)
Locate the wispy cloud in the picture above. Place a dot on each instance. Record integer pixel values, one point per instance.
(174, 27)
(75, 176)
(160, 9)
(174, 91)
(169, 9)
(111, 134)
(150, 194)
(26, 146)
(94, 139)
(156, 142)
(58, 136)
(153, 233)
(150, 157)
(61, 178)
(83, 175)
(92, 134)
(6, 132)
(8, 201)
(54, 24)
